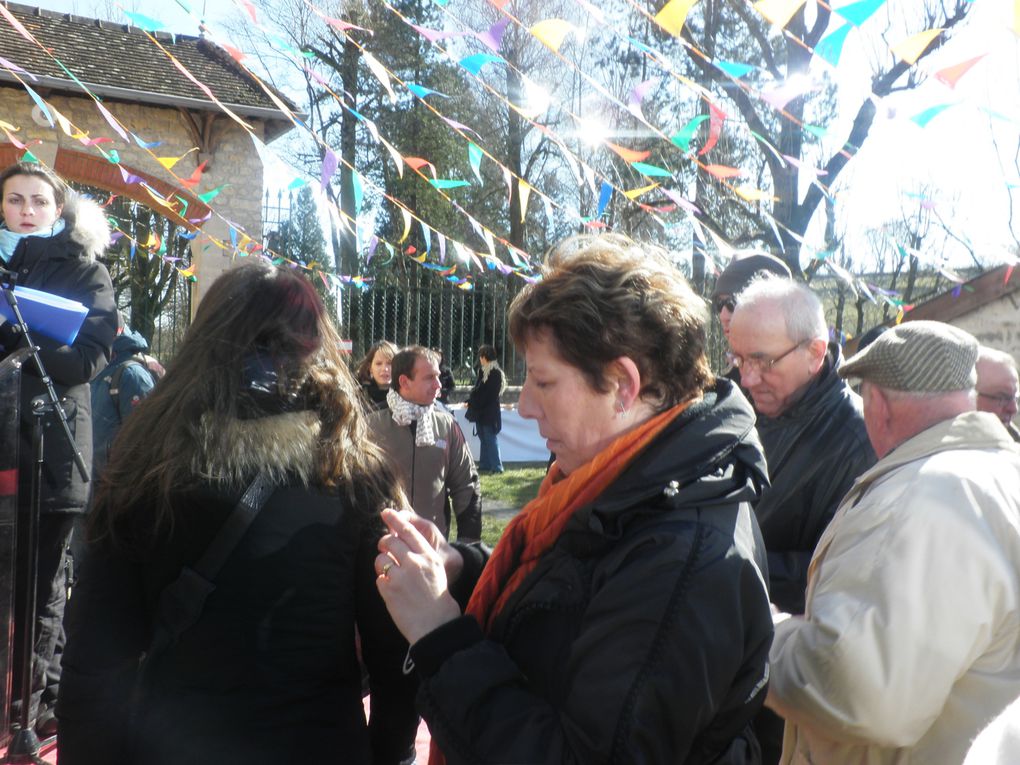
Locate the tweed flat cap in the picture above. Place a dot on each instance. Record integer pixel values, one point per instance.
(918, 357)
(739, 273)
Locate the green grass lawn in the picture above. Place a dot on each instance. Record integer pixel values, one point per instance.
(513, 488)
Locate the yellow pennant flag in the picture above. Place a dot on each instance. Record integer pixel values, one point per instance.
(1016, 16)
(157, 198)
(407, 225)
(169, 162)
(552, 32)
(673, 15)
(64, 122)
(153, 241)
(525, 192)
(752, 194)
(635, 193)
(778, 12)
(397, 159)
(911, 49)
(380, 74)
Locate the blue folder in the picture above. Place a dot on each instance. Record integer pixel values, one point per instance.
(51, 315)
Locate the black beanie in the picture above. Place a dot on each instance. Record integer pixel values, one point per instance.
(739, 273)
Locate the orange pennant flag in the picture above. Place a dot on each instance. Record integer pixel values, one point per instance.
(952, 74)
(196, 176)
(416, 163)
(629, 155)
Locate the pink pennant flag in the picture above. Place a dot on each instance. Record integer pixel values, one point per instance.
(458, 125)
(435, 34)
(15, 68)
(800, 165)
(637, 95)
(715, 126)
(113, 122)
(235, 54)
(682, 201)
(492, 38)
(246, 4)
(329, 165)
(779, 96)
(723, 171)
(17, 24)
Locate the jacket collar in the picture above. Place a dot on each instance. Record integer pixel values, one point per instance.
(970, 430)
(710, 452)
(231, 450)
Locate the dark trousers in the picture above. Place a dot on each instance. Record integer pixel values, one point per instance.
(51, 597)
(488, 453)
(768, 727)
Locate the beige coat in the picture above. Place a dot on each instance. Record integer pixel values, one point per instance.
(911, 639)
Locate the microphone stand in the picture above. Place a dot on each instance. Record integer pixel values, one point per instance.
(25, 745)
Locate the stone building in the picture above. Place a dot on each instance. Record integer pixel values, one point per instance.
(133, 75)
(987, 306)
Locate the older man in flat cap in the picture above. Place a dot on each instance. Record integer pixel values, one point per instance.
(910, 642)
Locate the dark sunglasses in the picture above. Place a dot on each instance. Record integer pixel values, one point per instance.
(723, 301)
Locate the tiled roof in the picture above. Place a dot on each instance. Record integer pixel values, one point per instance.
(122, 62)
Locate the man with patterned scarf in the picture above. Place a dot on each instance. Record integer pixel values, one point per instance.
(427, 447)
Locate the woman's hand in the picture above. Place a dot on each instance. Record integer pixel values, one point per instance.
(453, 561)
(413, 574)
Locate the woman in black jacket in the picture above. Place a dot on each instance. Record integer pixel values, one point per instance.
(268, 672)
(623, 616)
(373, 373)
(50, 238)
(484, 411)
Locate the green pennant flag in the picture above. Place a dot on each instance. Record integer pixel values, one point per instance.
(210, 194)
(683, 138)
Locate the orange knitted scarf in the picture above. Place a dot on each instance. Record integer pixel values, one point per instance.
(537, 527)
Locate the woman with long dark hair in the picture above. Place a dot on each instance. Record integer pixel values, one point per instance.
(268, 671)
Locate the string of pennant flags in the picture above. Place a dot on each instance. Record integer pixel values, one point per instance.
(552, 33)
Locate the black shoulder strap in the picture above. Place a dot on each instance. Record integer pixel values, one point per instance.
(181, 602)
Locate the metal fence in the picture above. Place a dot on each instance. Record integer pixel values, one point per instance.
(418, 307)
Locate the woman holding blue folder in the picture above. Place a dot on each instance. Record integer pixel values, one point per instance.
(50, 237)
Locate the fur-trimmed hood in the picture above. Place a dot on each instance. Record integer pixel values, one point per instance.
(232, 450)
(87, 223)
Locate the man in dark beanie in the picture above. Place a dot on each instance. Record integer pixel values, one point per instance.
(909, 644)
(736, 276)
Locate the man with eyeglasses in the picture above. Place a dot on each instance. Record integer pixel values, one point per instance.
(811, 426)
(810, 422)
(998, 388)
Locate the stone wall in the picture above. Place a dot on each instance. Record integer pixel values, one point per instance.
(231, 157)
(996, 323)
